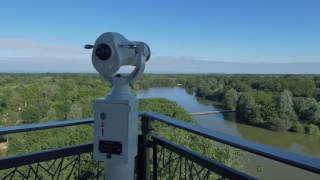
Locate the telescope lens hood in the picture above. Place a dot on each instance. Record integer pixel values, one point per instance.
(103, 51)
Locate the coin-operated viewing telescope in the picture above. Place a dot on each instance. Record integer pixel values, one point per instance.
(115, 116)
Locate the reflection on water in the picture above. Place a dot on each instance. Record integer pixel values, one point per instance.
(267, 169)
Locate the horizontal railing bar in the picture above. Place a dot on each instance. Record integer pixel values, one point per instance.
(42, 126)
(11, 162)
(293, 159)
(201, 160)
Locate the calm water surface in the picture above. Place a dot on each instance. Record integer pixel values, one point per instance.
(254, 165)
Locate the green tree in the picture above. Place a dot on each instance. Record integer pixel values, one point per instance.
(16, 101)
(51, 115)
(50, 90)
(286, 113)
(300, 86)
(247, 110)
(308, 110)
(31, 114)
(278, 124)
(297, 127)
(230, 99)
(312, 129)
(75, 111)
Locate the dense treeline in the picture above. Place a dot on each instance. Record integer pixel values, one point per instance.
(275, 102)
(150, 80)
(28, 99)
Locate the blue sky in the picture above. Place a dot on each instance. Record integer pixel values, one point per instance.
(53, 33)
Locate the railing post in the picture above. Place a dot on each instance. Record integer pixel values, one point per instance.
(143, 153)
(154, 162)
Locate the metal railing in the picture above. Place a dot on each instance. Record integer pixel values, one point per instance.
(173, 161)
(158, 157)
(72, 162)
(292, 159)
(65, 163)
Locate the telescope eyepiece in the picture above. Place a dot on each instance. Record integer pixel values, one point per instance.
(103, 51)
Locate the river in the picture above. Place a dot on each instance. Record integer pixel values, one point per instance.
(255, 165)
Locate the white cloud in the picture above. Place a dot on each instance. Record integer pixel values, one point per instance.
(13, 48)
(170, 64)
(23, 55)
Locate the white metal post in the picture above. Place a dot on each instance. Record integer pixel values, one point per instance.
(115, 125)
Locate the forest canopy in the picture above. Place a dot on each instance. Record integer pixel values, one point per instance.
(275, 102)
